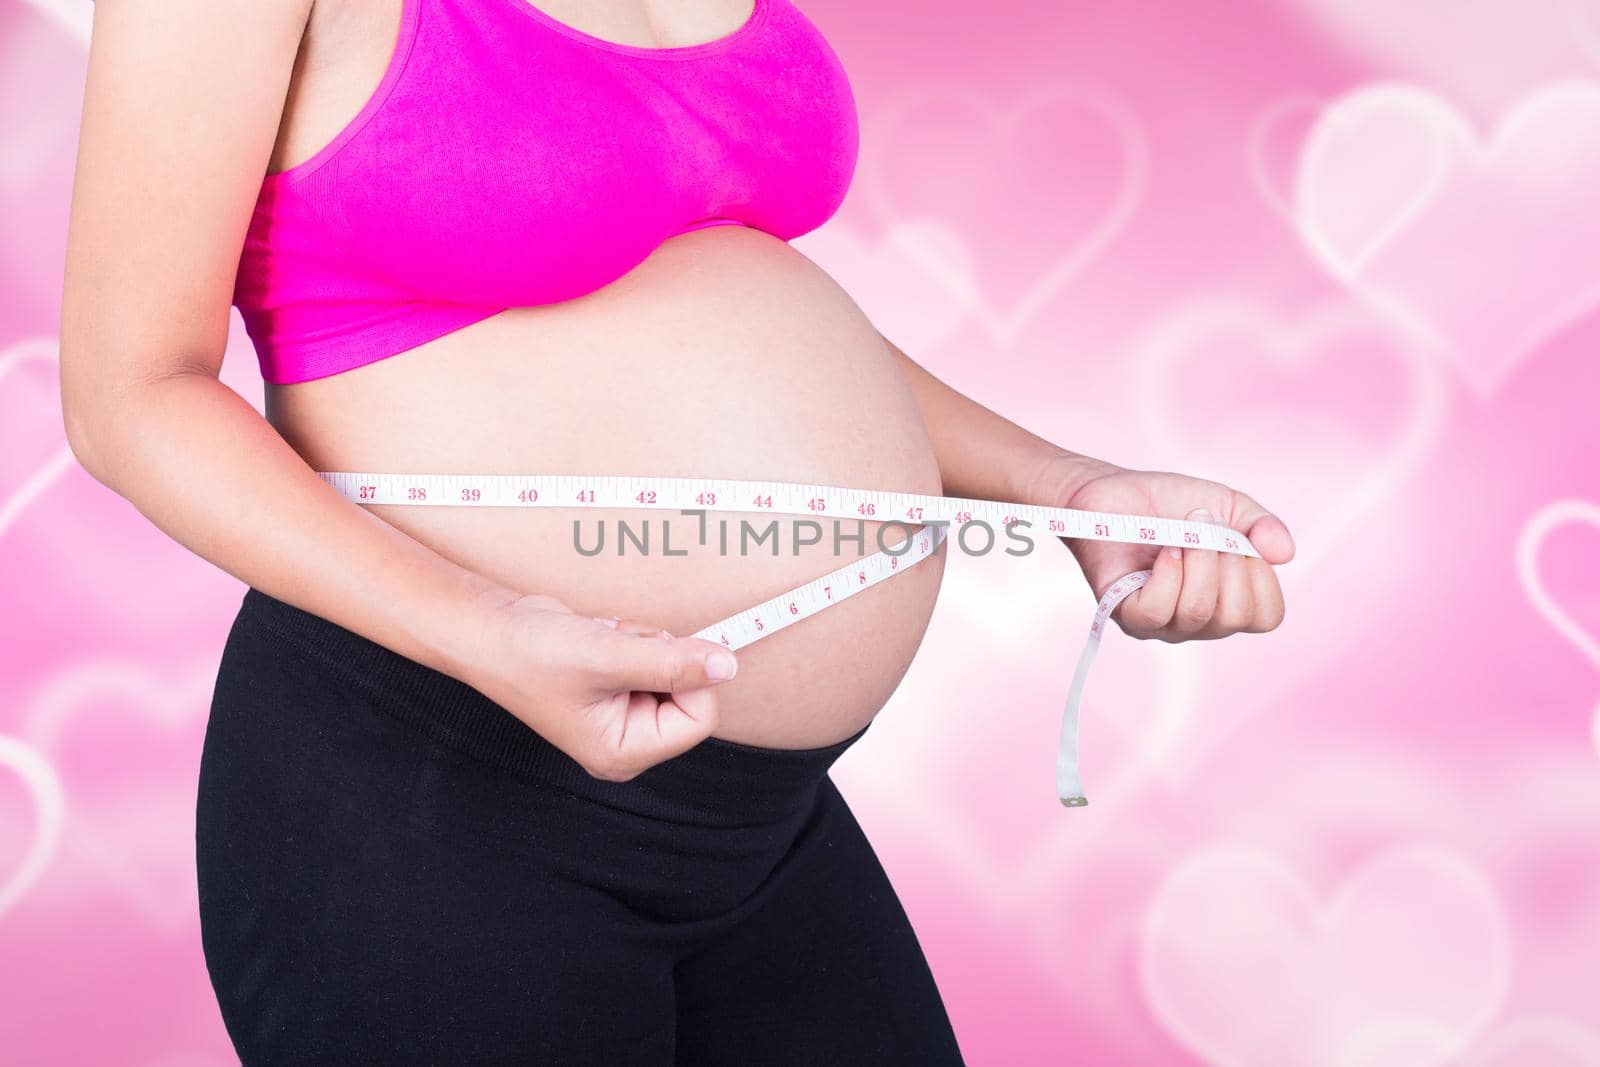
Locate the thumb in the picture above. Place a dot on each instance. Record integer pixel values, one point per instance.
(660, 665)
(1268, 533)
(1149, 609)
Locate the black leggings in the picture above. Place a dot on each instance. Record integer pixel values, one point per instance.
(393, 869)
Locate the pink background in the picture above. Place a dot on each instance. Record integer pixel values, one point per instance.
(1343, 254)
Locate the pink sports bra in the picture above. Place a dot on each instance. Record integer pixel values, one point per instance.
(507, 159)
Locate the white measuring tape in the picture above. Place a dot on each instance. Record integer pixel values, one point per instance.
(926, 520)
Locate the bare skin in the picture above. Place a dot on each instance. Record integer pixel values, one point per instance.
(726, 353)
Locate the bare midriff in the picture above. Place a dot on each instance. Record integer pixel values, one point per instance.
(728, 354)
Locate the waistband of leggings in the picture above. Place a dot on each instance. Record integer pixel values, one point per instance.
(715, 775)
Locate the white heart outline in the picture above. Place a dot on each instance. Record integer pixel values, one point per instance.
(130, 686)
(1317, 145)
(74, 16)
(32, 350)
(1480, 150)
(1293, 336)
(1323, 908)
(1530, 539)
(1554, 792)
(39, 778)
(1262, 127)
(1117, 117)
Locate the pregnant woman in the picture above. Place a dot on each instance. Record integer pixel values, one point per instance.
(467, 795)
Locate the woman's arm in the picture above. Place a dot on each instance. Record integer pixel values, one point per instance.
(985, 456)
(180, 114)
(1192, 593)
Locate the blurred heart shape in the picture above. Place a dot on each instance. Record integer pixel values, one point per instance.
(39, 780)
(1403, 965)
(1482, 53)
(126, 742)
(1331, 390)
(32, 453)
(1485, 247)
(1535, 532)
(1037, 190)
(1272, 144)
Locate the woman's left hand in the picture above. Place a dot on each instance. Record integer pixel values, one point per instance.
(1192, 594)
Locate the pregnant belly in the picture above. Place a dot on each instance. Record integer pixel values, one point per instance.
(725, 354)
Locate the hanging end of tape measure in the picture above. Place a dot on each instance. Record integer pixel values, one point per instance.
(1074, 802)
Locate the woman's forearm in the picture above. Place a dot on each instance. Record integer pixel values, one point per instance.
(984, 455)
(202, 464)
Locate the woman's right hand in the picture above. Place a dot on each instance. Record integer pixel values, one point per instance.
(616, 695)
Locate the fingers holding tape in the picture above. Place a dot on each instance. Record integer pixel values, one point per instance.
(1269, 608)
(1236, 597)
(1197, 595)
(1147, 612)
